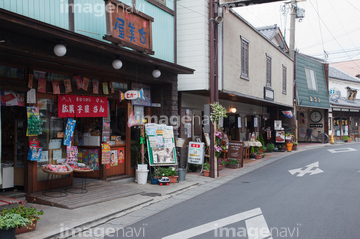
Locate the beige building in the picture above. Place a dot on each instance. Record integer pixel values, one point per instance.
(255, 73)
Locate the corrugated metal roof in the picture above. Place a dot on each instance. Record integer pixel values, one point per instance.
(305, 96)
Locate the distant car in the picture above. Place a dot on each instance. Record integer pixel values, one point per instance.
(164, 180)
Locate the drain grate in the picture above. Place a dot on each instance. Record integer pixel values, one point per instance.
(151, 194)
(245, 182)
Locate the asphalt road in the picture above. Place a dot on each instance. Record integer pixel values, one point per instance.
(314, 202)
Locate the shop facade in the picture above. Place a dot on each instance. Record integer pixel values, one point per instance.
(255, 77)
(312, 97)
(33, 78)
(344, 116)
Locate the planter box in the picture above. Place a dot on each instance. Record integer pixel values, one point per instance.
(27, 228)
(233, 166)
(173, 179)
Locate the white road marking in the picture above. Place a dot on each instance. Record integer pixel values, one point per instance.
(255, 219)
(341, 150)
(257, 228)
(308, 170)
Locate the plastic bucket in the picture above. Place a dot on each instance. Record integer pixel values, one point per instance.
(181, 174)
(142, 176)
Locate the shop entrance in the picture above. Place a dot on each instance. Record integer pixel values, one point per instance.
(231, 127)
(13, 142)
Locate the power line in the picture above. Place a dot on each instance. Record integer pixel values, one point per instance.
(331, 33)
(342, 24)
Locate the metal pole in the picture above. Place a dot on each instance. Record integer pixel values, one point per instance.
(212, 83)
(292, 28)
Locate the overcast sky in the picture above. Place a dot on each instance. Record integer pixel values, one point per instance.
(330, 25)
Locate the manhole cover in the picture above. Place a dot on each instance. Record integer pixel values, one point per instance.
(151, 194)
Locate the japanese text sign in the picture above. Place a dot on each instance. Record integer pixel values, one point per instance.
(196, 153)
(128, 26)
(82, 106)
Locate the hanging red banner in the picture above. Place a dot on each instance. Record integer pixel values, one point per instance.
(82, 106)
(66, 105)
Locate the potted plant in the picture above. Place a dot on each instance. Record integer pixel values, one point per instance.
(171, 173)
(232, 163)
(222, 163)
(252, 152)
(289, 141)
(283, 147)
(259, 154)
(295, 145)
(206, 169)
(347, 139)
(9, 222)
(31, 213)
(155, 175)
(270, 147)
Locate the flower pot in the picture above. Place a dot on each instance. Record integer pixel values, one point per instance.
(289, 147)
(294, 146)
(258, 156)
(27, 228)
(173, 179)
(154, 180)
(206, 173)
(8, 234)
(221, 167)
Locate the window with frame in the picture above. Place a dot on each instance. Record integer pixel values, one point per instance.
(244, 58)
(268, 70)
(284, 79)
(311, 79)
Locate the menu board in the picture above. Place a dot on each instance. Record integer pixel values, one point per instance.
(160, 144)
(236, 150)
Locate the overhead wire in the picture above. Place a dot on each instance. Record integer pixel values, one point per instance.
(342, 25)
(331, 32)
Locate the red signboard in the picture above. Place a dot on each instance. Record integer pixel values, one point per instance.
(82, 106)
(195, 145)
(128, 26)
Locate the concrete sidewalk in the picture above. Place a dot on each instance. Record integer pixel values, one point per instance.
(62, 223)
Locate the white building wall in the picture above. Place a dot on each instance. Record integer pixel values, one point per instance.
(193, 43)
(341, 85)
(234, 28)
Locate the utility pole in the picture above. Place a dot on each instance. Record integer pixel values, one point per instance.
(292, 28)
(214, 89)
